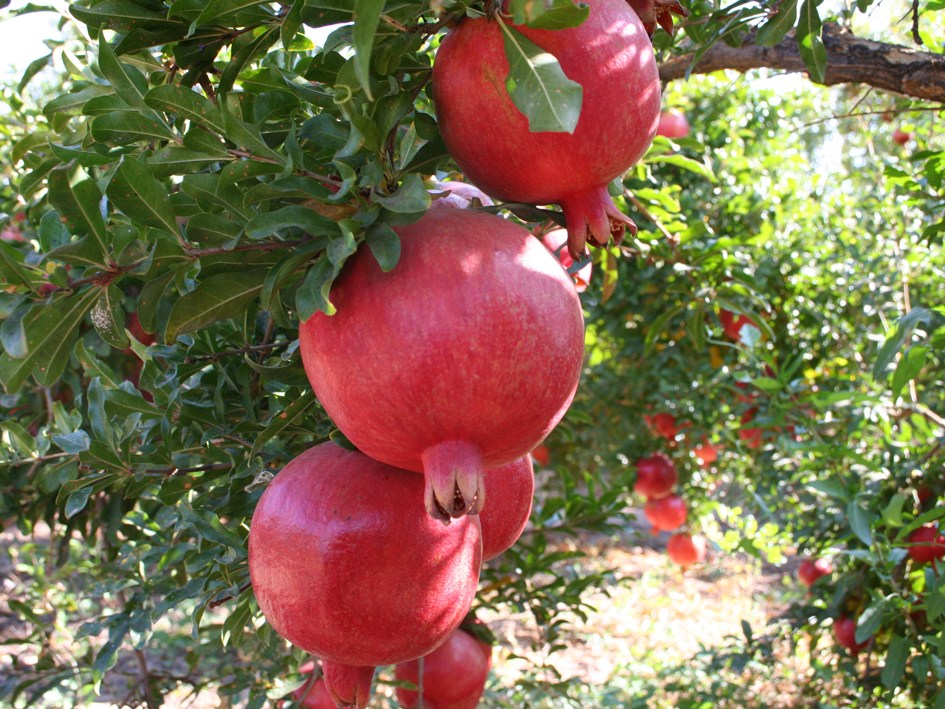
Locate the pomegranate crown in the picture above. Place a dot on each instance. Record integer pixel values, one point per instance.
(657, 12)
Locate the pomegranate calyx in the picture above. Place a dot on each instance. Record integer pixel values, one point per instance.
(593, 217)
(657, 12)
(348, 686)
(454, 487)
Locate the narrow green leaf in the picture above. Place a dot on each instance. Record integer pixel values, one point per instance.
(892, 514)
(896, 337)
(367, 13)
(11, 264)
(384, 244)
(124, 404)
(292, 374)
(137, 193)
(291, 23)
(658, 325)
(109, 318)
(783, 21)
(681, 161)
(278, 423)
(247, 136)
(52, 334)
(76, 502)
(911, 363)
(555, 14)
(209, 526)
(186, 103)
(411, 197)
(896, 658)
(221, 296)
(127, 81)
(312, 295)
(870, 621)
(125, 127)
(809, 42)
(831, 488)
(263, 226)
(149, 299)
(76, 197)
(860, 522)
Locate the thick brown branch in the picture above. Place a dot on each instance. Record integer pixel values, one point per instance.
(889, 67)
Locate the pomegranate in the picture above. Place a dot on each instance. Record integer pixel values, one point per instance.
(663, 425)
(901, 137)
(732, 326)
(312, 694)
(926, 544)
(685, 549)
(510, 489)
(812, 569)
(134, 327)
(666, 513)
(844, 632)
(706, 453)
(656, 476)
(541, 455)
(346, 565)
(463, 358)
(555, 240)
(610, 56)
(454, 675)
(923, 493)
(751, 436)
(657, 12)
(460, 196)
(673, 124)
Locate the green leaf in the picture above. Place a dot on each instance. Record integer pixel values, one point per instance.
(896, 337)
(221, 296)
(127, 81)
(860, 522)
(657, 327)
(149, 299)
(76, 197)
(76, 502)
(934, 603)
(411, 197)
(11, 264)
(831, 488)
(109, 319)
(553, 14)
(188, 104)
(384, 244)
(367, 13)
(124, 128)
(123, 16)
(278, 423)
(809, 42)
(870, 621)
(783, 21)
(209, 526)
(896, 658)
(137, 193)
(287, 266)
(908, 368)
(538, 86)
(247, 136)
(263, 226)
(312, 295)
(124, 404)
(173, 160)
(30, 143)
(681, 161)
(292, 374)
(892, 513)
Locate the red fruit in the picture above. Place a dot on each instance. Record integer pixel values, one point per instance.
(673, 124)
(923, 492)
(454, 675)
(844, 631)
(901, 137)
(312, 695)
(45, 288)
(656, 476)
(811, 570)
(462, 358)
(732, 326)
(706, 453)
(666, 513)
(460, 195)
(134, 327)
(346, 564)
(542, 455)
(555, 241)
(685, 549)
(12, 234)
(751, 436)
(665, 425)
(926, 544)
(509, 489)
(610, 56)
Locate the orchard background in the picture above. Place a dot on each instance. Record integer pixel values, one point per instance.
(152, 380)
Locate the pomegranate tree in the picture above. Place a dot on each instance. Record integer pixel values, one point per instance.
(454, 675)
(926, 544)
(611, 57)
(460, 359)
(812, 569)
(666, 513)
(656, 476)
(510, 489)
(686, 549)
(555, 241)
(346, 565)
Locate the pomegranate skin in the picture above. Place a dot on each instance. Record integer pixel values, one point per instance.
(454, 675)
(666, 513)
(461, 359)
(812, 569)
(554, 240)
(673, 124)
(926, 545)
(509, 489)
(611, 57)
(346, 564)
(844, 632)
(656, 476)
(685, 549)
(460, 196)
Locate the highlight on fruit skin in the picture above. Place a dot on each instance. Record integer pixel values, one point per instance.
(510, 489)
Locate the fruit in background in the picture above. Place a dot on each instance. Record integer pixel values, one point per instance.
(312, 695)
(844, 632)
(462, 358)
(12, 234)
(509, 490)
(923, 493)
(656, 476)
(812, 569)
(658, 12)
(706, 453)
(673, 124)
(751, 436)
(461, 195)
(666, 513)
(555, 241)
(663, 425)
(611, 57)
(133, 326)
(685, 549)
(454, 675)
(347, 565)
(732, 326)
(926, 544)
(542, 455)
(901, 137)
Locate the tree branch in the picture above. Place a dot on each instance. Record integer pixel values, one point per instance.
(889, 67)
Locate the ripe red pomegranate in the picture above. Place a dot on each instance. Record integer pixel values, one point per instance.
(673, 124)
(656, 476)
(509, 489)
(751, 436)
(666, 513)
(134, 327)
(811, 570)
(555, 240)
(923, 493)
(610, 56)
(926, 544)
(454, 675)
(685, 549)
(541, 455)
(312, 695)
(460, 196)
(347, 565)
(706, 453)
(844, 632)
(662, 425)
(902, 137)
(732, 326)
(462, 358)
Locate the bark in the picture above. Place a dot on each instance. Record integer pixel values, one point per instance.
(888, 67)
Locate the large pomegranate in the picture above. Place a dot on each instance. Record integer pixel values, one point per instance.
(656, 476)
(812, 569)
(685, 549)
(462, 358)
(347, 565)
(844, 632)
(555, 240)
(454, 675)
(611, 57)
(926, 544)
(666, 513)
(509, 489)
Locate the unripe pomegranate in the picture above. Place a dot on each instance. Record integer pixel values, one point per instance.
(666, 513)
(656, 476)
(555, 241)
(811, 570)
(673, 124)
(462, 358)
(346, 564)
(844, 632)
(454, 675)
(460, 196)
(901, 137)
(611, 57)
(685, 549)
(541, 455)
(926, 544)
(510, 489)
